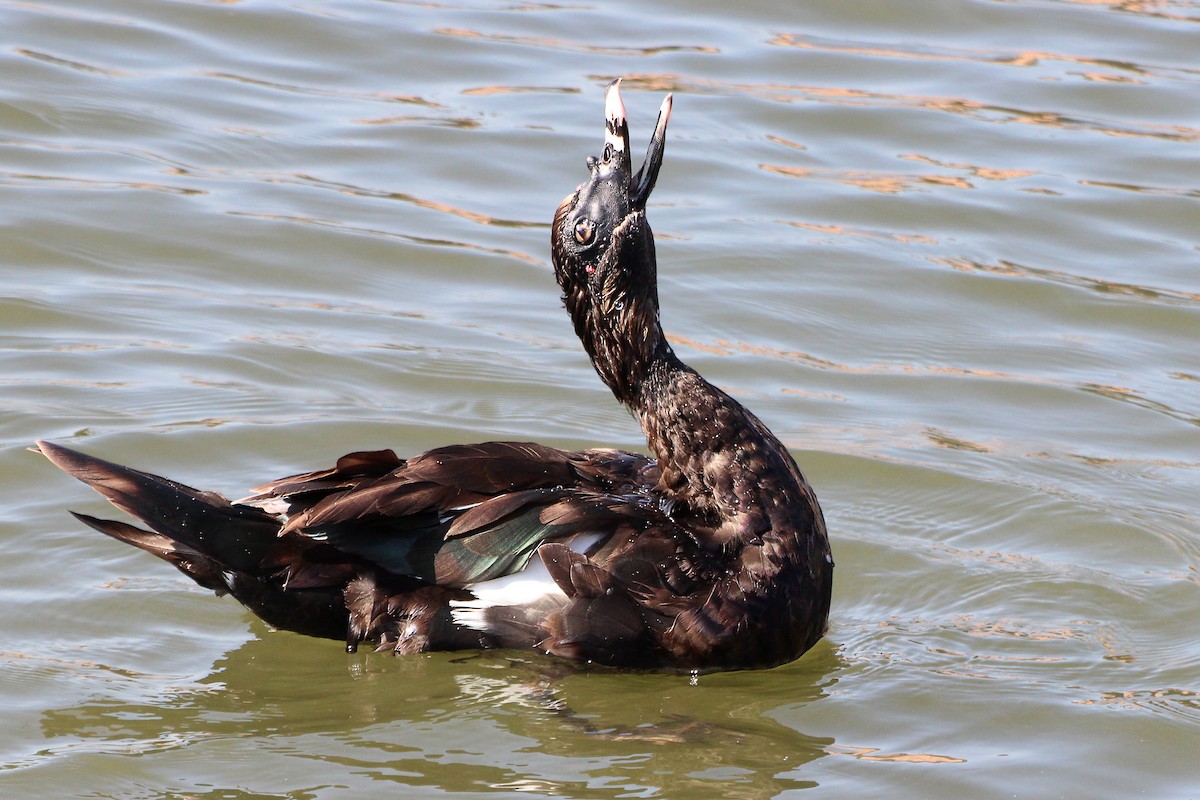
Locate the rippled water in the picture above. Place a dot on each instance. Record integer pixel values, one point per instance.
(947, 249)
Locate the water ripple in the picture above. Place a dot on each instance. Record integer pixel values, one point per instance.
(79, 183)
(1111, 68)
(546, 43)
(421, 240)
(68, 63)
(959, 106)
(445, 208)
(318, 91)
(1125, 290)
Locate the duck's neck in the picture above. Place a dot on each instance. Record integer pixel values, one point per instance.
(716, 458)
(715, 455)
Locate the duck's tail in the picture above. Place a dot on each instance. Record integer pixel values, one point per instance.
(222, 546)
(202, 533)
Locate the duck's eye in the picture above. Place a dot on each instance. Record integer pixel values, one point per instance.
(584, 231)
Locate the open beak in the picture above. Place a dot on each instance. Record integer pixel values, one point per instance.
(616, 136)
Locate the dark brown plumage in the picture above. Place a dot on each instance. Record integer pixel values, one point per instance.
(712, 555)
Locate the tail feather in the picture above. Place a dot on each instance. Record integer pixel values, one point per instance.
(214, 533)
(197, 566)
(227, 547)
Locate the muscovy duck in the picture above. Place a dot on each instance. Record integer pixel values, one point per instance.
(711, 555)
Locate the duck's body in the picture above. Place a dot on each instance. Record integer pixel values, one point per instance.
(712, 555)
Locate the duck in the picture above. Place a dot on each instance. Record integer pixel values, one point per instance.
(709, 553)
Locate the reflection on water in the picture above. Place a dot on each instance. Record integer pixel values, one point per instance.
(550, 727)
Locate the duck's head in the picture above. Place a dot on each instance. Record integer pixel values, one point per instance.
(603, 248)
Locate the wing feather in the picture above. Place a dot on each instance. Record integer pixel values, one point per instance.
(459, 514)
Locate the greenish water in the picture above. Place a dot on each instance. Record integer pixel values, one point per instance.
(947, 250)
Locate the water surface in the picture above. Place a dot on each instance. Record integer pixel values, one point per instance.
(947, 250)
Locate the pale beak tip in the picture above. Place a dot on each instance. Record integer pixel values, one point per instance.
(614, 108)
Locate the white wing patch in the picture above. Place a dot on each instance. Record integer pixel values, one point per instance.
(518, 589)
